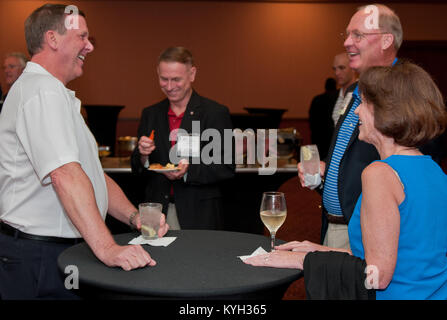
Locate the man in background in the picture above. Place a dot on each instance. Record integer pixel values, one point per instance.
(320, 117)
(13, 66)
(191, 196)
(345, 77)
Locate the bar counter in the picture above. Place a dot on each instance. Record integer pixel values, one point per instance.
(122, 165)
(241, 195)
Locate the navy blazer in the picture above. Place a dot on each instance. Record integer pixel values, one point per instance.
(357, 156)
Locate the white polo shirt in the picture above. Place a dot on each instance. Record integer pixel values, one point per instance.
(41, 129)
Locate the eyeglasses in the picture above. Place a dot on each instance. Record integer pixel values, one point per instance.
(358, 36)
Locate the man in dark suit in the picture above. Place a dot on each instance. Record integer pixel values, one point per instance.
(191, 196)
(320, 117)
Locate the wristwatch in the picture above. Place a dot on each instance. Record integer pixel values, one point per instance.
(132, 218)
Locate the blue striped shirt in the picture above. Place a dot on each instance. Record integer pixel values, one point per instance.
(330, 192)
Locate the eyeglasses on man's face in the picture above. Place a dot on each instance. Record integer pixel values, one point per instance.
(358, 36)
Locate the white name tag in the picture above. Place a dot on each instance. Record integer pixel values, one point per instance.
(188, 146)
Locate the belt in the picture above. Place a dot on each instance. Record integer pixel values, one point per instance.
(335, 219)
(13, 232)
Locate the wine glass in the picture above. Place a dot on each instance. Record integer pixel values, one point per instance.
(310, 161)
(273, 212)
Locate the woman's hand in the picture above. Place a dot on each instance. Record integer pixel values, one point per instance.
(278, 259)
(302, 246)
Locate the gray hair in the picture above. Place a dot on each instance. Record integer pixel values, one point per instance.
(47, 17)
(389, 22)
(177, 54)
(19, 55)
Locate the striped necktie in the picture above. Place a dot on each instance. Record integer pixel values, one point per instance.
(330, 192)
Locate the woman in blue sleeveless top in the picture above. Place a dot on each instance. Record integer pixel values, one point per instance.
(398, 228)
(398, 225)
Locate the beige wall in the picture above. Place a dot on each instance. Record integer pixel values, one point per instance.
(249, 54)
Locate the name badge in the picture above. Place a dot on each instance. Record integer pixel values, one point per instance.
(188, 146)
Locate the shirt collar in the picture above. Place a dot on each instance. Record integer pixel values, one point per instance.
(32, 67)
(172, 114)
(356, 92)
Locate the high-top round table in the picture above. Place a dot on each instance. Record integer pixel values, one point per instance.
(199, 264)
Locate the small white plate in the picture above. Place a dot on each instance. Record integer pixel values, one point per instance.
(164, 170)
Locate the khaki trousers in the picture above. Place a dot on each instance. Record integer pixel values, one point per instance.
(337, 236)
(171, 217)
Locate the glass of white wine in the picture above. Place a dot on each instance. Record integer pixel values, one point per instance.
(273, 212)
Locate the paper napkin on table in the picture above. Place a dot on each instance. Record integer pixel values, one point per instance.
(159, 242)
(258, 251)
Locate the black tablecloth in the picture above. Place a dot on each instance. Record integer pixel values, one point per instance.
(241, 198)
(199, 264)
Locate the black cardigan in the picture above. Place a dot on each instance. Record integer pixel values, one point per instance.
(335, 276)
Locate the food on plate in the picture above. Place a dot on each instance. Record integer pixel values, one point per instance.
(157, 166)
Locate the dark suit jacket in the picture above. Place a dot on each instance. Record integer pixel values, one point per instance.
(320, 120)
(357, 156)
(198, 200)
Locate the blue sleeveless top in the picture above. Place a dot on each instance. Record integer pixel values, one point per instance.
(421, 267)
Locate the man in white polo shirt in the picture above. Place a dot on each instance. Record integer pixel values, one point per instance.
(53, 190)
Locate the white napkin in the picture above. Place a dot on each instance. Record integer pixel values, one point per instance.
(258, 251)
(165, 241)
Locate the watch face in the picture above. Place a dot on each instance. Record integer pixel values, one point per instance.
(132, 218)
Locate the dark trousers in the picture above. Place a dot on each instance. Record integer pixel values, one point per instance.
(28, 270)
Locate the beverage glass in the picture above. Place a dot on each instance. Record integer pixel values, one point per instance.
(150, 214)
(310, 162)
(273, 212)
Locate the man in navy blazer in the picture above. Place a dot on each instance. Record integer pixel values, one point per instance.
(191, 196)
(372, 38)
